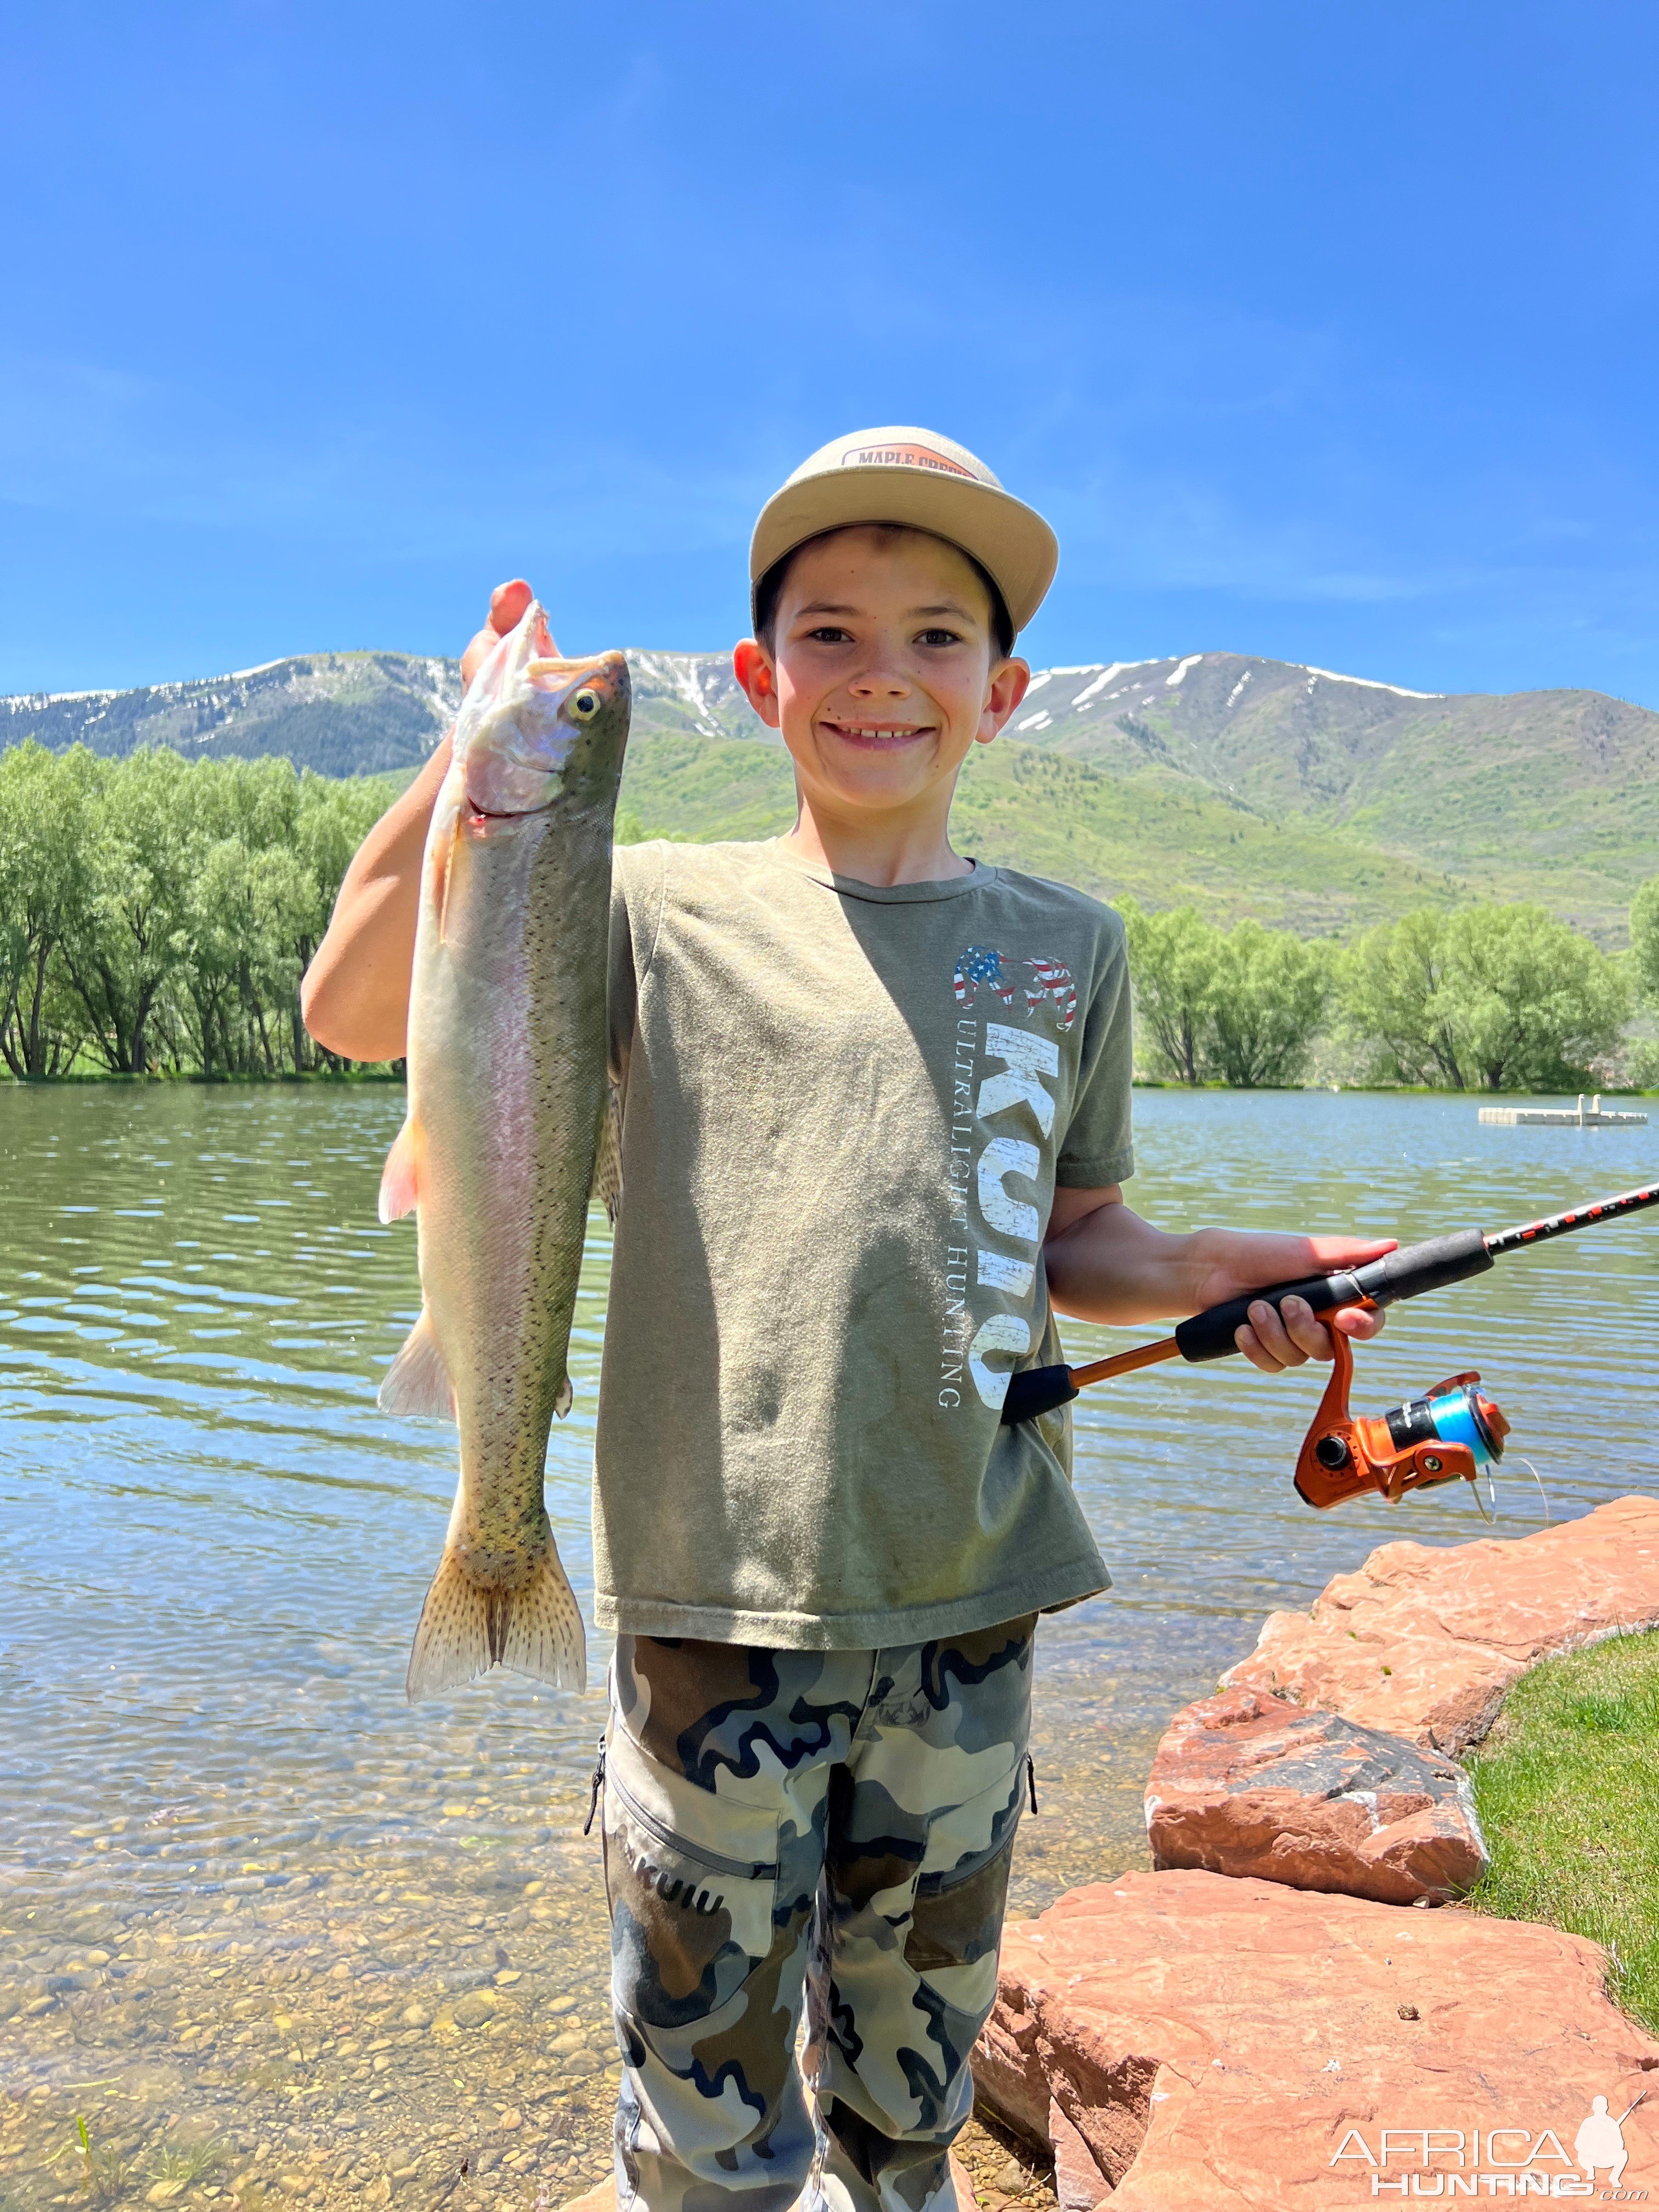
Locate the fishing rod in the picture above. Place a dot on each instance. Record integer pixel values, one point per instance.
(1453, 1430)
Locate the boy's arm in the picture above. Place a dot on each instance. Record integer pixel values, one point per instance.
(355, 995)
(1105, 1264)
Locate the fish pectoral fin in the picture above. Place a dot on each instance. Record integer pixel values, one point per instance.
(418, 1381)
(398, 1192)
(565, 1399)
(465, 1629)
(607, 1162)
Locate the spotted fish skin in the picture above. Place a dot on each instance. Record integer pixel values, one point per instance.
(507, 1106)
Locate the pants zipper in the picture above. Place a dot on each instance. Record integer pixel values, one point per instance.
(596, 1784)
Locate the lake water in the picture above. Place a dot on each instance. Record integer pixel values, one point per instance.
(257, 1918)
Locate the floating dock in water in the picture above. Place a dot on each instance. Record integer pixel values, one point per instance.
(1562, 1117)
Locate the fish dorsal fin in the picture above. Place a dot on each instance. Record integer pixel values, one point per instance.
(399, 1194)
(607, 1162)
(418, 1381)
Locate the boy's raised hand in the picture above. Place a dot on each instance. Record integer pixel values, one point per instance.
(1233, 1262)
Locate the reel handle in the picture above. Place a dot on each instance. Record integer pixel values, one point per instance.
(1403, 1275)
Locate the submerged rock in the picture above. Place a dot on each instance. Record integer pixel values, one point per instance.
(1188, 2042)
(1424, 1643)
(1245, 1784)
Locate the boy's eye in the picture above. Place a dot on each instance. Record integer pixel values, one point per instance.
(828, 633)
(939, 637)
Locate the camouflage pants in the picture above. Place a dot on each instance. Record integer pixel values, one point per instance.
(826, 1827)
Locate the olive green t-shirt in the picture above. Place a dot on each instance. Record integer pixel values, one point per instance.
(845, 1110)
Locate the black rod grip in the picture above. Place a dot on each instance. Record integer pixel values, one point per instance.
(1403, 1275)
(1034, 1391)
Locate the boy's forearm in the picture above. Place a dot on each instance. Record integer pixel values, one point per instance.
(1113, 1267)
(355, 995)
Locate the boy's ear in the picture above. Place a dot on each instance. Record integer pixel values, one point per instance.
(1008, 686)
(756, 674)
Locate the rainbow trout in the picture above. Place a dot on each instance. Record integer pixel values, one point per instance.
(508, 1121)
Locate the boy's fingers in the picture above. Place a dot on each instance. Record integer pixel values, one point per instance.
(1360, 1322)
(1245, 1338)
(1291, 1334)
(507, 604)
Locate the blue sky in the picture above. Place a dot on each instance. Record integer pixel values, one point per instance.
(1326, 333)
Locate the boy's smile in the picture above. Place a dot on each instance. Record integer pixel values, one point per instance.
(881, 673)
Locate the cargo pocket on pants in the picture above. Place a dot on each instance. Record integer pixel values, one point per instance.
(691, 1879)
(961, 1892)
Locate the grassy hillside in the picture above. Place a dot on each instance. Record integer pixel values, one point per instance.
(1162, 836)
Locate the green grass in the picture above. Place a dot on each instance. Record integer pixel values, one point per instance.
(186, 2163)
(1565, 1788)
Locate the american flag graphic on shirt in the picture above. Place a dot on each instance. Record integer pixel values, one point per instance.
(982, 967)
(1049, 980)
(983, 964)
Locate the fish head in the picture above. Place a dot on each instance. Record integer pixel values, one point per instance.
(536, 730)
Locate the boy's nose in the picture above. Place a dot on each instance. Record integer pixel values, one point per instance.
(879, 683)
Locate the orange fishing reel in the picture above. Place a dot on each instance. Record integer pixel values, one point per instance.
(1454, 1429)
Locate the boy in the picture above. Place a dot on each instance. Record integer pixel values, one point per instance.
(876, 1121)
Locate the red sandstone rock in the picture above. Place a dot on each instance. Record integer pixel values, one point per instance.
(1192, 2043)
(1244, 1783)
(1424, 1643)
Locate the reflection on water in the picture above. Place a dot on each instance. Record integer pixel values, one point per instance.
(261, 1922)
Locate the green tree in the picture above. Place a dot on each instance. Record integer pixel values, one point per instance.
(1395, 994)
(1536, 1001)
(1173, 962)
(127, 926)
(41, 834)
(1270, 994)
(1644, 936)
(1501, 997)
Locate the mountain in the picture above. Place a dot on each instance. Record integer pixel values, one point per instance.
(342, 714)
(1312, 799)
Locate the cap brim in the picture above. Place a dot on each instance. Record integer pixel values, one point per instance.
(1011, 541)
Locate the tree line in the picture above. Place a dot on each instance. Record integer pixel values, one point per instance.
(1487, 997)
(156, 914)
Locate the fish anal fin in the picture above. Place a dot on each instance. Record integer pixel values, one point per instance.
(607, 1161)
(418, 1381)
(467, 1627)
(399, 1191)
(566, 1398)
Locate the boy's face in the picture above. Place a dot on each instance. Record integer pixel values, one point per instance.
(884, 671)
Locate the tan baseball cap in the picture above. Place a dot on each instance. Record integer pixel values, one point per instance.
(903, 474)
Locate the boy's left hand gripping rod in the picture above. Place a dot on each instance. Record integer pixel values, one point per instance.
(1403, 1275)
(1209, 1335)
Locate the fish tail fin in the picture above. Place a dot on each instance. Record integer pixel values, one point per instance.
(542, 1634)
(465, 1629)
(418, 1381)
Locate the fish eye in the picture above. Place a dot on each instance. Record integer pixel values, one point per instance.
(585, 705)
